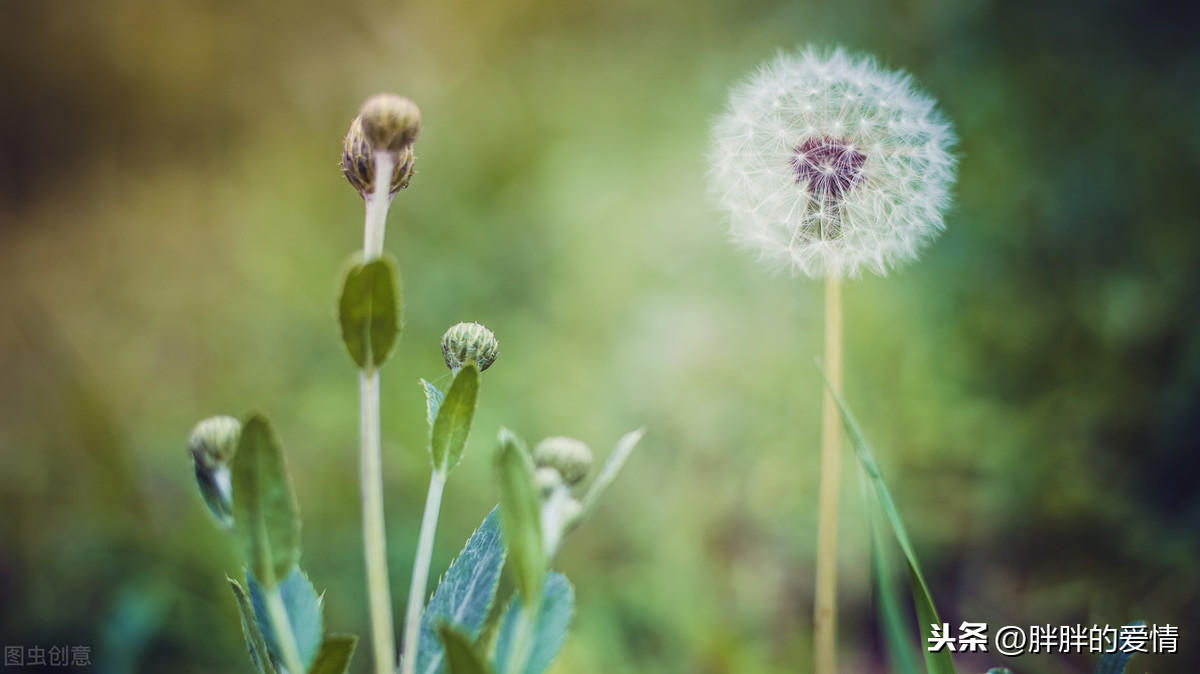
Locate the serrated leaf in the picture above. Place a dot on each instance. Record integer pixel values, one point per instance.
(607, 474)
(520, 516)
(462, 656)
(1115, 663)
(303, 609)
(433, 402)
(369, 311)
(259, 655)
(265, 513)
(337, 650)
(452, 425)
(939, 662)
(549, 627)
(465, 594)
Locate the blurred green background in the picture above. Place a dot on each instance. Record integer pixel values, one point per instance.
(173, 222)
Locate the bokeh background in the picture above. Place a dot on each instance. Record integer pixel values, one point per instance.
(173, 222)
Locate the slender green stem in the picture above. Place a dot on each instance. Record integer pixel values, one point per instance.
(825, 610)
(377, 203)
(518, 654)
(281, 626)
(379, 595)
(416, 589)
(374, 537)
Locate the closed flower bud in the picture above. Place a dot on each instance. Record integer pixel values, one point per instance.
(572, 513)
(358, 162)
(390, 122)
(469, 342)
(212, 445)
(570, 457)
(547, 479)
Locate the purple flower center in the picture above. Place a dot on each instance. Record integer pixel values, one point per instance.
(830, 166)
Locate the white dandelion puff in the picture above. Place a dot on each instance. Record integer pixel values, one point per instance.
(829, 165)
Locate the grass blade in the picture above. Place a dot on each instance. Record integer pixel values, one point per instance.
(935, 663)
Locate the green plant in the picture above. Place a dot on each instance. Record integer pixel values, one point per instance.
(242, 476)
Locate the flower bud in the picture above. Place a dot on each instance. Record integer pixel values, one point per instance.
(547, 479)
(572, 511)
(358, 162)
(570, 457)
(469, 342)
(390, 122)
(212, 444)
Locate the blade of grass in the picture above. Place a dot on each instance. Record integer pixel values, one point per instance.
(901, 653)
(935, 663)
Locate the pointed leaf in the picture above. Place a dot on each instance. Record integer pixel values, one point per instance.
(464, 595)
(265, 513)
(369, 311)
(259, 654)
(611, 467)
(520, 516)
(433, 402)
(1115, 662)
(939, 662)
(549, 628)
(303, 609)
(337, 650)
(452, 425)
(462, 656)
(896, 635)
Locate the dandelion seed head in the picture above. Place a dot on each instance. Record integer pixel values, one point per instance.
(831, 166)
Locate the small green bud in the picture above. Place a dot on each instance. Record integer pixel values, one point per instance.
(358, 162)
(390, 122)
(570, 457)
(212, 444)
(469, 342)
(547, 479)
(572, 511)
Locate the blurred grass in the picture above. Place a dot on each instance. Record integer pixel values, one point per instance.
(172, 222)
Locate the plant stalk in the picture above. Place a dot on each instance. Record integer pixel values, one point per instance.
(377, 203)
(416, 589)
(282, 628)
(379, 595)
(825, 610)
(374, 544)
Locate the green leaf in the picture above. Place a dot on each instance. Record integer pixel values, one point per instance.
(265, 514)
(257, 646)
(369, 311)
(303, 609)
(1115, 663)
(520, 516)
(462, 656)
(607, 474)
(549, 627)
(936, 662)
(433, 402)
(452, 425)
(464, 595)
(901, 652)
(337, 650)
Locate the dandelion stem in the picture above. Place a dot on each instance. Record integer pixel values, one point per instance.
(416, 590)
(281, 626)
(825, 611)
(379, 595)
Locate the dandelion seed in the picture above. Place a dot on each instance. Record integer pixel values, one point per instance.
(829, 165)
